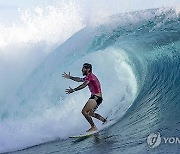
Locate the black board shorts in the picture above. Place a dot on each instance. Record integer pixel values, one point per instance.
(98, 100)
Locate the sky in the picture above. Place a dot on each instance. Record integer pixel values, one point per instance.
(9, 8)
(19, 3)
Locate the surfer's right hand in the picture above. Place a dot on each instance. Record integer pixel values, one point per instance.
(65, 75)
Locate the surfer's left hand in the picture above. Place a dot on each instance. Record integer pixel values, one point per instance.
(69, 91)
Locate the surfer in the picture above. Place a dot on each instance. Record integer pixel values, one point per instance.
(95, 100)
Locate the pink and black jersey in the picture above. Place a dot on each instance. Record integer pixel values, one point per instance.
(93, 83)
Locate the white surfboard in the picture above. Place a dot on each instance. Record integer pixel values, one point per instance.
(84, 135)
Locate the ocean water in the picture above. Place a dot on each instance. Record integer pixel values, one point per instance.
(136, 56)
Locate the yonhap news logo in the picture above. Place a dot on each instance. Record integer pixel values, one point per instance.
(155, 139)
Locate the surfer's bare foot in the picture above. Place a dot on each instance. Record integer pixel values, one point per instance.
(92, 129)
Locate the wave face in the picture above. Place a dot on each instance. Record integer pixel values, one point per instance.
(137, 59)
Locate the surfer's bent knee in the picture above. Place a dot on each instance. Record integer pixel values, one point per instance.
(83, 112)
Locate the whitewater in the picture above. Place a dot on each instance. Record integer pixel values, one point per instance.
(136, 56)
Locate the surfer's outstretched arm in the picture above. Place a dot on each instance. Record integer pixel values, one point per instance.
(70, 90)
(81, 86)
(68, 76)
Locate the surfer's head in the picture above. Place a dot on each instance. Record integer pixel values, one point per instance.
(87, 68)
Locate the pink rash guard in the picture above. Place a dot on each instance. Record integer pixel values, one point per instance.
(93, 83)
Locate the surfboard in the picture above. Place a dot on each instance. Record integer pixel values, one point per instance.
(88, 134)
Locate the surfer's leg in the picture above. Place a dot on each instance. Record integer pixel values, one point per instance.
(92, 112)
(91, 104)
(97, 116)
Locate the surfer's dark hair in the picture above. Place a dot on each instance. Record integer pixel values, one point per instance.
(87, 65)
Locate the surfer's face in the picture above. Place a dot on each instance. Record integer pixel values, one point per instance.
(85, 71)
